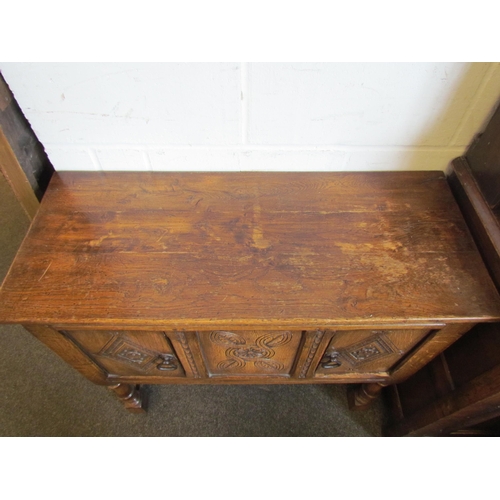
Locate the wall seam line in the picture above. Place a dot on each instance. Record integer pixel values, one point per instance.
(147, 160)
(247, 148)
(472, 104)
(244, 102)
(95, 159)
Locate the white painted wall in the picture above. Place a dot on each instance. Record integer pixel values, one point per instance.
(254, 116)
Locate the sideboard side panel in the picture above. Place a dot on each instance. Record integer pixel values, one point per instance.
(434, 345)
(69, 352)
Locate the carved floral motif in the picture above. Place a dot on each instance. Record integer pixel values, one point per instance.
(260, 353)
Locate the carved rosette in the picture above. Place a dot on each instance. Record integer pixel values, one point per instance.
(239, 352)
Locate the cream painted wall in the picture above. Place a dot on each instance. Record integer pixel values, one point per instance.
(254, 116)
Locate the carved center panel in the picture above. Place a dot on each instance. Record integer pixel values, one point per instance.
(249, 352)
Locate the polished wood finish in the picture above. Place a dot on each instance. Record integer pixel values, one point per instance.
(239, 249)
(249, 277)
(131, 396)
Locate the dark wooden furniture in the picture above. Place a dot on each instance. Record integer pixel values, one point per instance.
(150, 278)
(458, 393)
(23, 161)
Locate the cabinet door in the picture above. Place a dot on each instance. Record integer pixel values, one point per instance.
(249, 352)
(366, 351)
(128, 353)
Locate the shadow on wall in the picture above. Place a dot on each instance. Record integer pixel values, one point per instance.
(451, 128)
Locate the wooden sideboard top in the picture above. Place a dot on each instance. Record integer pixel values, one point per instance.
(185, 250)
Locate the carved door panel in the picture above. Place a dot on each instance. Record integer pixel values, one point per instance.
(249, 352)
(130, 352)
(366, 351)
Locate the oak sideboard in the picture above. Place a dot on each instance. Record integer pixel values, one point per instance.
(164, 277)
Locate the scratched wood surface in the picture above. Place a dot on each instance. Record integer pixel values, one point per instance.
(195, 250)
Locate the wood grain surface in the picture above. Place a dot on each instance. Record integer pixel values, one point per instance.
(232, 250)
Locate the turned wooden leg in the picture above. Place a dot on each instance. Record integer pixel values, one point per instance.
(361, 396)
(131, 397)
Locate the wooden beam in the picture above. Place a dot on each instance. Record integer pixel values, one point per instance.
(13, 173)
